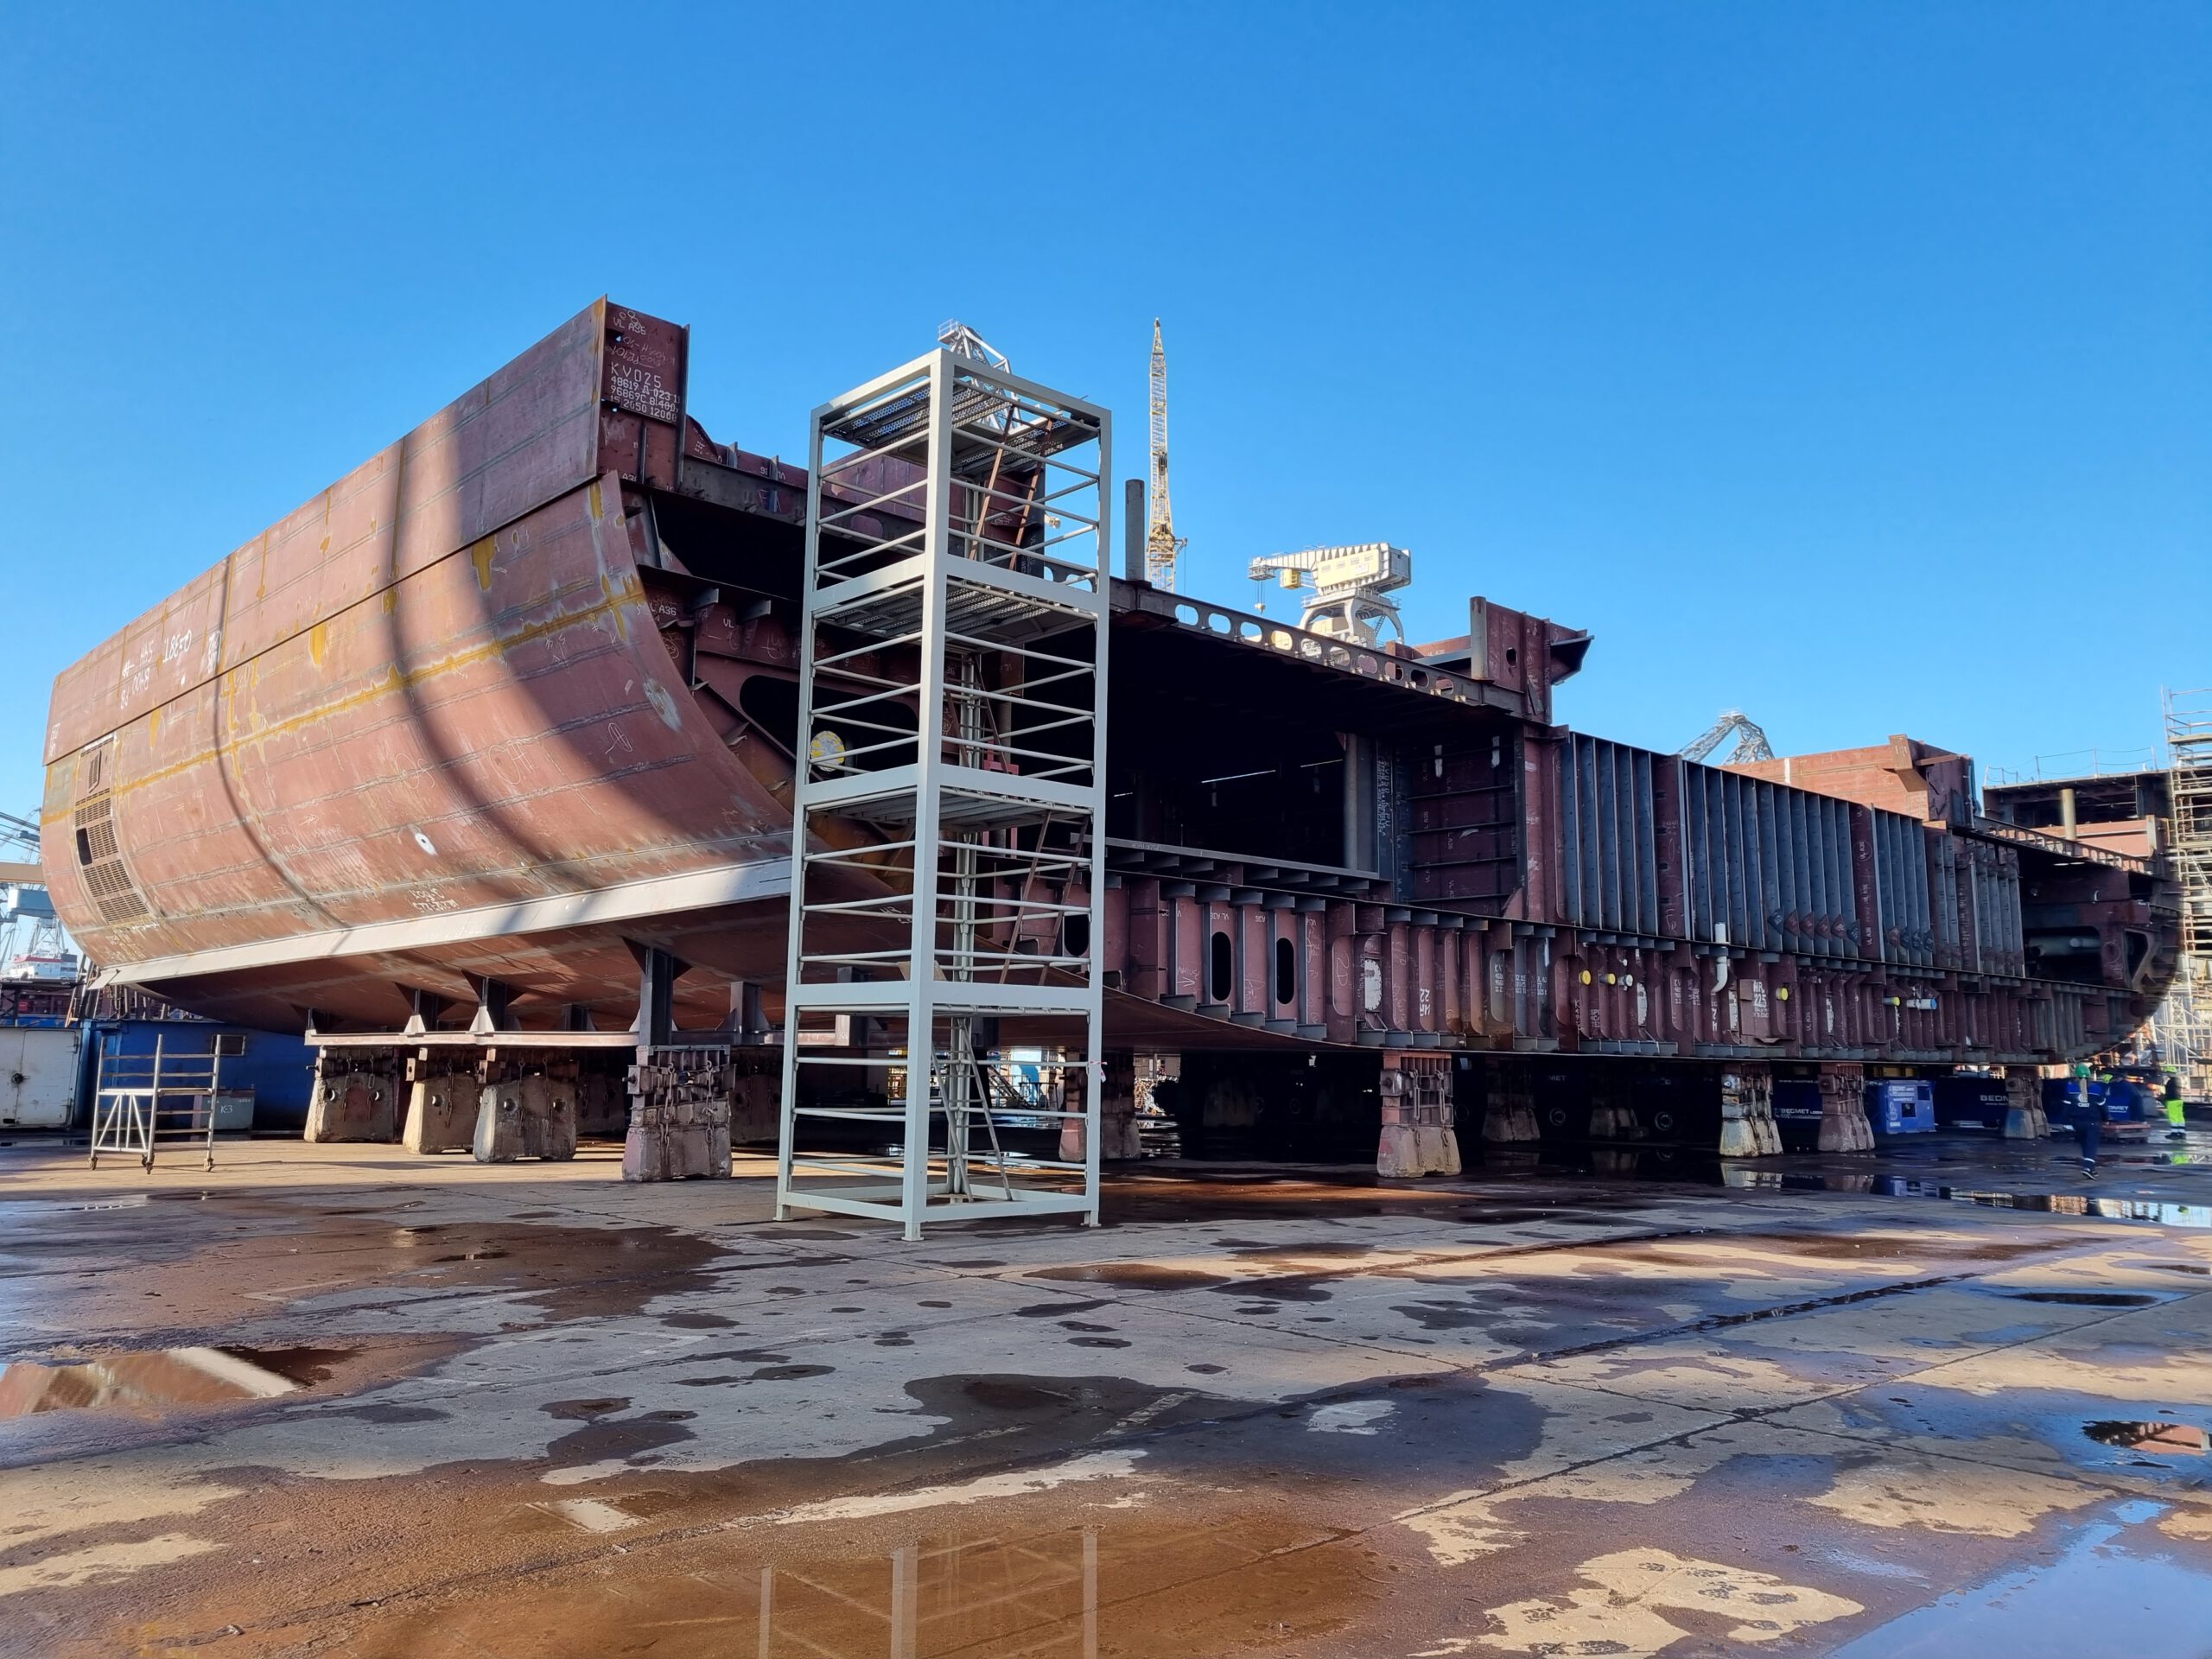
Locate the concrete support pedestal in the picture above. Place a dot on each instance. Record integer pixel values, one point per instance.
(1117, 1116)
(679, 1117)
(2024, 1117)
(1747, 1126)
(753, 1114)
(1611, 1115)
(1844, 1126)
(602, 1104)
(1510, 1117)
(1418, 1137)
(526, 1117)
(1416, 1118)
(354, 1100)
(441, 1114)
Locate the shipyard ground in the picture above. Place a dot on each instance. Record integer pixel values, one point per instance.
(528, 1411)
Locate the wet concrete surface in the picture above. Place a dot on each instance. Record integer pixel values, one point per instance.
(337, 1400)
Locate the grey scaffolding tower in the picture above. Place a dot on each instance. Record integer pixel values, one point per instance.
(950, 806)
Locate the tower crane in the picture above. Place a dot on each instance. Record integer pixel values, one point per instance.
(1161, 545)
(1750, 740)
(1349, 595)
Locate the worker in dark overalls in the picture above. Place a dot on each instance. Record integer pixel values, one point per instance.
(2089, 1121)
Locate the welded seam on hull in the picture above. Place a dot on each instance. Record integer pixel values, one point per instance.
(620, 594)
(728, 884)
(447, 426)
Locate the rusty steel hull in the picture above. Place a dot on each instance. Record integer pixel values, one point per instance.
(436, 690)
(512, 705)
(1542, 891)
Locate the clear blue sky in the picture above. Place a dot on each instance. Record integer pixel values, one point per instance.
(1852, 363)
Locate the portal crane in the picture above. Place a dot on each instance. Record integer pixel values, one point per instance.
(1161, 545)
(1347, 598)
(1750, 740)
(31, 938)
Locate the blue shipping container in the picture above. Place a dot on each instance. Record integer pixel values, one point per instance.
(1901, 1106)
(277, 1069)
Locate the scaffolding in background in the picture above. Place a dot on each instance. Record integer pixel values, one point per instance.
(2183, 1023)
(952, 700)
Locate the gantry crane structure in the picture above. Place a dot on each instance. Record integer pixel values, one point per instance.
(23, 901)
(1161, 545)
(1750, 740)
(961, 341)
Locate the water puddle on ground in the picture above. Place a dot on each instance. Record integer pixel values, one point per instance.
(157, 1383)
(2115, 1588)
(1127, 1587)
(2086, 1298)
(2183, 1437)
(2090, 1204)
(13, 1208)
(1133, 1276)
(2068, 1204)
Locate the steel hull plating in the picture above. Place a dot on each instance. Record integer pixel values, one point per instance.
(436, 691)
